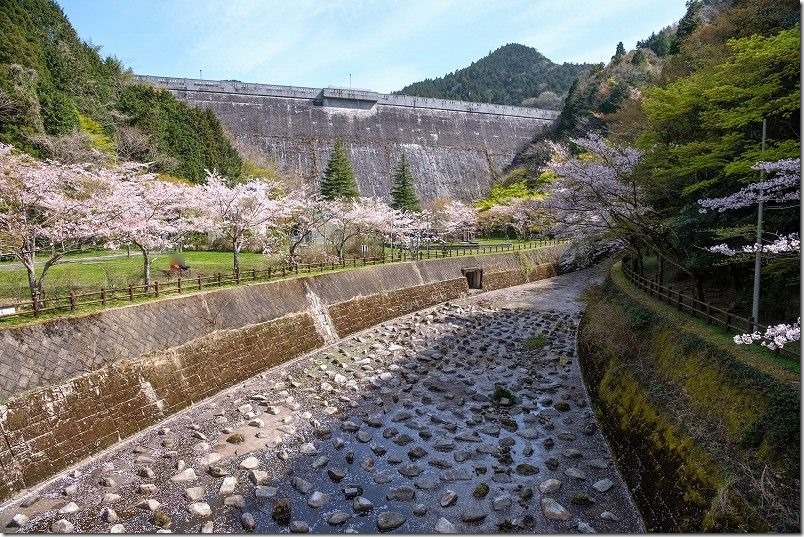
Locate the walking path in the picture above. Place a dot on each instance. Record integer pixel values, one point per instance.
(448, 420)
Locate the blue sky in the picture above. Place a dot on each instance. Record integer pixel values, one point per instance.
(383, 44)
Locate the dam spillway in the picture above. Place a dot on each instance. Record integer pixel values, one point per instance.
(455, 148)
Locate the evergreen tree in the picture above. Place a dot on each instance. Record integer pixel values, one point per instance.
(339, 178)
(403, 195)
(620, 52)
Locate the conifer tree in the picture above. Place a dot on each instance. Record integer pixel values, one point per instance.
(339, 177)
(403, 195)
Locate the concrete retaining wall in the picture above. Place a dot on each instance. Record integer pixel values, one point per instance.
(151, 360)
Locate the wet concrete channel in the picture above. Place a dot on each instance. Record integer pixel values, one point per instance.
(468, 417)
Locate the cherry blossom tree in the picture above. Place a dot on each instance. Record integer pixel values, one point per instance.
(241, 211)
(47, 207)
(779, 191)
(450, 217)
(305, 213)
(152, 215)
(349, 219)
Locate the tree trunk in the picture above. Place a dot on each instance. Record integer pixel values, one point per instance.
(236, 256)
(146, 268)
(661, 268)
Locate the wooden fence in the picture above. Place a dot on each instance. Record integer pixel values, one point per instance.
(116, 296)
(727, 319)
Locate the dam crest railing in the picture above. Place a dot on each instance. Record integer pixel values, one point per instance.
(299, 92)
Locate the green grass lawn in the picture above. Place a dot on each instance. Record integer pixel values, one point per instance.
(120, 271)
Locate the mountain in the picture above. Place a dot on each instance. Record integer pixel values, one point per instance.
(60, 99)
(513, 74)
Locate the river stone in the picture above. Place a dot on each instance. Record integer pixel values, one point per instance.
(577, 473)
(473, 516)
(501, 502)
(235, 500)
(258, 477)
(110, 497)
(194, 494)
(199, 509)
(185, 475)
(299, 526)
(382, 479)
(71, 507)
(62, 526)
(148, 489)
(389, 520)
(117, 528)
(549, 486)
(228, 485)
(410, 470)
(308, 449)
(301, 485)
(18, 521)
(389, 432)
(336, 474)
(449, 499)
(250, 463)
(149, 504)
(264, 492)
(603, 485)
(403, 493)
(583, 527)
(318, 499)
(598, 463)
(247, 521)
(526, 469)
(445, 526)
(362, 505)
(554, 510)
(608, 515)
(419, 509)
(417, 453)
(207, 527)
(551, 463)
(337, 518)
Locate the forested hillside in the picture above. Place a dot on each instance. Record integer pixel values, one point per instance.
(513, 74)
(59, 98)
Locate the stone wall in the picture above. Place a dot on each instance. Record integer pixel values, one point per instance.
(152, 360)
(455, 148)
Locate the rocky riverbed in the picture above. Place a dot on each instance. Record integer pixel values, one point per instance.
(468, 417)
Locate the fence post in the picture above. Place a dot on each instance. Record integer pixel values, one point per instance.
(253, 274)
(708, 313)
(178, 284)
(283, 271)
(72, 300)
(103, 296)
(680, 299)
(35, 307)
(156, 288)
(220, 279)
(237, 277)
(728, 319)
(199, 283)
(269, 273)
(750, 325)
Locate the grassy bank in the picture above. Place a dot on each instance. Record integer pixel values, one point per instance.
(706, 432)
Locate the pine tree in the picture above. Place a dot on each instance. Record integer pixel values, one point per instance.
(339, 178)
(620, 52)
(403, 196)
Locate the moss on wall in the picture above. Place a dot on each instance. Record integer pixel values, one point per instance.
(705, 441)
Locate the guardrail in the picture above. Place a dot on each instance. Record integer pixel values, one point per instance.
(72, 301)
(727, 319)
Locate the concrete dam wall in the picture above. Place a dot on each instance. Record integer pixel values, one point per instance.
(455, 148)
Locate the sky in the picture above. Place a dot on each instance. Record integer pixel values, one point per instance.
(383, 44)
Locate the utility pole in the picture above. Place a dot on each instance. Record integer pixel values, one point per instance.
(758, 258)
(350, 80)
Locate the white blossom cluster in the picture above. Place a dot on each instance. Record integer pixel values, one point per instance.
(783, 187)
(782, 245)
(775, 337)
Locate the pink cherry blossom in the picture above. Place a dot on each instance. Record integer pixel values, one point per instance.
(775, 337)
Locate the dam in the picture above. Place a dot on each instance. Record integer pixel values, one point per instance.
(455, 148)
